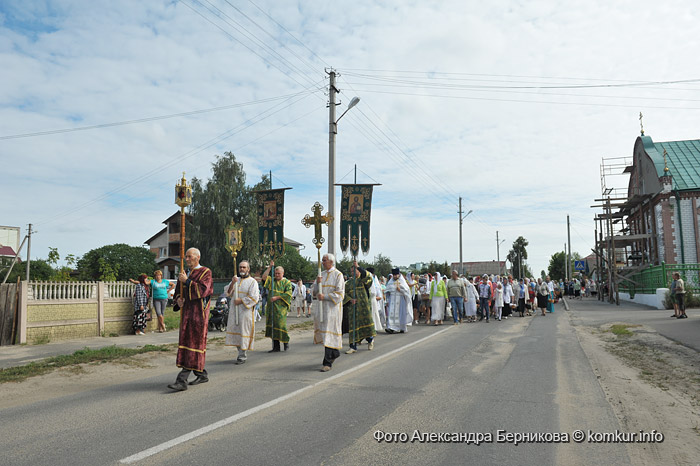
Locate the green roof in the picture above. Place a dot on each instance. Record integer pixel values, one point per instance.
(683, 159)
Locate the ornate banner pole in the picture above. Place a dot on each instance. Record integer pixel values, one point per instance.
(183, 198)
(234, 243)
(317, 221)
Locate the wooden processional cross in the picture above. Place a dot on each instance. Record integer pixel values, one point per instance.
(317, 220)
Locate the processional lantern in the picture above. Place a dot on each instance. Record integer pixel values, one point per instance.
(183, 198)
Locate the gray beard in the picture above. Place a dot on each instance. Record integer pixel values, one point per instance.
(243, 275)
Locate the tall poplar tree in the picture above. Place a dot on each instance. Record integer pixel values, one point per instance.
(225, 197)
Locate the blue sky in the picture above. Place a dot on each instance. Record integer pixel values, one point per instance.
(509, 105)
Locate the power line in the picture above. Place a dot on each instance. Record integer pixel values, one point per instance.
(243, 126)
(301, 59)
(154, 118)
(617, 83)
(399, 150)
(505, 91)
(487, 99)
(290, 34)
(252, 36)
(238, 40)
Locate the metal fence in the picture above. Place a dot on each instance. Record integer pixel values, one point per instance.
(660, 276)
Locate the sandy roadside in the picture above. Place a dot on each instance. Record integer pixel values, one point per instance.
(652, 383)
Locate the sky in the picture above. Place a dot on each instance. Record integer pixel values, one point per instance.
(509, 105)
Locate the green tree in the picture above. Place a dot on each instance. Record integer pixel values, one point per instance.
(517, 256)
(225, 197)
(38, 270)
(557, 266)
(296, 266)
(61, 274)
(116, 262)
(382, 265)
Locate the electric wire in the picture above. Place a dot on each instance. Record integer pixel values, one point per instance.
(241, 127)
(238, 40)
(506, 91)
(486, 99)
(289, 33)
(297, 56)
(418, 174)
(154, 118)
(252, 37)
(153, 187)
(561, 86)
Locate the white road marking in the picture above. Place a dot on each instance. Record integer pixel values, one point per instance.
(229, 420)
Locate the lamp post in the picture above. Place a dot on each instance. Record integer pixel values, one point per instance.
(461, 219)
(332, 131)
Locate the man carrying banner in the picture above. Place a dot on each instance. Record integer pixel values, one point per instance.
(192, 299)
(279, 298)
(398, 303)
(244, 292)
(329, 289)
(358, 309)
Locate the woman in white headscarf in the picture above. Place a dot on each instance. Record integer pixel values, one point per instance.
(470, 303)
(438, 297)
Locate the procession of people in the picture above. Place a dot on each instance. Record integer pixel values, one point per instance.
(359, 305)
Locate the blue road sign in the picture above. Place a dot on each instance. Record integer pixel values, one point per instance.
(579, 265)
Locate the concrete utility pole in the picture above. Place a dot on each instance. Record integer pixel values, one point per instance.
(29, 248)
(498, 252)
(568, 240)
(332, 131)
(461, 219)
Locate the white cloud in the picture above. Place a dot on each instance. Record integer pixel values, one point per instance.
(520, 163)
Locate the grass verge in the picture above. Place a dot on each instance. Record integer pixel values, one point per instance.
(622, 329)
(171, 318)
(85, 355)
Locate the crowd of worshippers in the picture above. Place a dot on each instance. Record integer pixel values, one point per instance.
(359, 305)
(435, 298)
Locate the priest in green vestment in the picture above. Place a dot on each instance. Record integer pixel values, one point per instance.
(279, 299)
(359, 316)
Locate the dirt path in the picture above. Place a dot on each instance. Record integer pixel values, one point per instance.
(651, 383)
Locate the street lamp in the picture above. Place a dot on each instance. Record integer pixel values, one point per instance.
(332, 131)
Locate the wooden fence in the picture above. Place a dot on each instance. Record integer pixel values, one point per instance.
(8, 313)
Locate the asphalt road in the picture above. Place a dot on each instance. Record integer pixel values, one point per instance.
(523, 375)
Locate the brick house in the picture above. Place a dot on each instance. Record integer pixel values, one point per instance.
(662, 209)
(166, 245)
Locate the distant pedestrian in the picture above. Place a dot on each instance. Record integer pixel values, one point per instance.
(159, 290)
(679, 290)
(298, 297)
(140, 305)
(542, 295)
(484, 298)
(309, 301)
(457, 293)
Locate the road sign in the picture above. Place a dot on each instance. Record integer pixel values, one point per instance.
(580, 265)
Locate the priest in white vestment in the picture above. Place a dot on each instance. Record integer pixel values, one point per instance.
(376, 297)
(241, 308)
(398, 297)
(329, 290)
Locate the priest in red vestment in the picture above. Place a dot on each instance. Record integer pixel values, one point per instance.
(192, 296)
